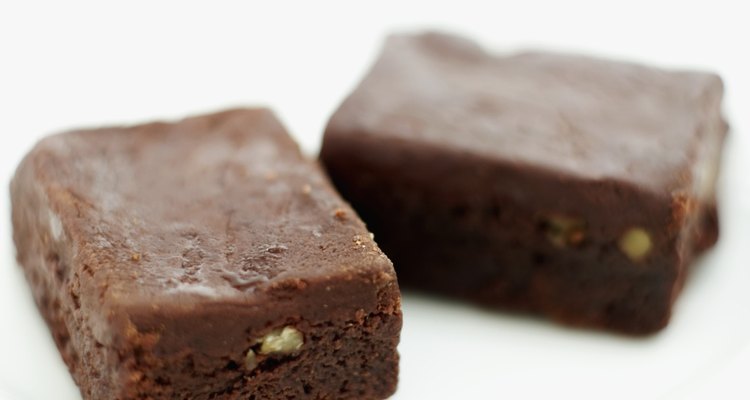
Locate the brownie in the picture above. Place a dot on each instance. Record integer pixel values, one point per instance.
(567, 186)
(203, 259)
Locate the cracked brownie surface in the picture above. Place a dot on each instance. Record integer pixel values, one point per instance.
(203, 259)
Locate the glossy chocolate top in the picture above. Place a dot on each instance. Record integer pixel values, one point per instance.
(218, 208)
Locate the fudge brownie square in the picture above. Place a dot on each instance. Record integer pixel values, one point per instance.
(570, 186)
(203, 259)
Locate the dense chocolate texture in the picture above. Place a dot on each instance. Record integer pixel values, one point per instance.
(205, 259)
(570, 186)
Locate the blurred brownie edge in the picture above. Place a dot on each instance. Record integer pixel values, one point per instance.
(571, 186)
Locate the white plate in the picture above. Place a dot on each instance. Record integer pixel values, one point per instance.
(68, 65)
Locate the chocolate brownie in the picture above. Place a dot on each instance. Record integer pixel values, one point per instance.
(570, 186)
(203, 259)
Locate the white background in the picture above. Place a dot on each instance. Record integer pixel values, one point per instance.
(67, 64)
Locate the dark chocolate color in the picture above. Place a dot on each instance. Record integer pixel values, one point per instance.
(461, 162)
(159, 254)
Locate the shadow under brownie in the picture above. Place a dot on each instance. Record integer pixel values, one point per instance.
(203, 259)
